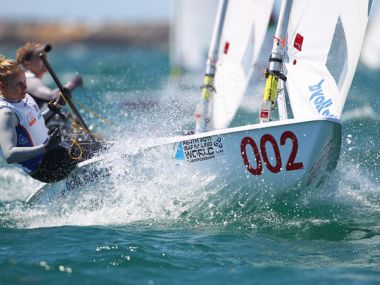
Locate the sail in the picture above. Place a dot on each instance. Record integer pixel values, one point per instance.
(190, 32)
(324, 43)
(370, 55)
(244, 31)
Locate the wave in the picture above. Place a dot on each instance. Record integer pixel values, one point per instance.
(15, 184)
(359, 113)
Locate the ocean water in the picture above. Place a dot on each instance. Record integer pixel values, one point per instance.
(152, 230)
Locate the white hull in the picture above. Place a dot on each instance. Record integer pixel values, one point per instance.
(278, 155)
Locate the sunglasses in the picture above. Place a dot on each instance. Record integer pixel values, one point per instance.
(33, 56)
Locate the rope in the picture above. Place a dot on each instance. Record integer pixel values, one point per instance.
(74, 141)
(77, 127)
(71, 152)
(95, 114)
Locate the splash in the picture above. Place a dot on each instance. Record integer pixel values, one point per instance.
(143, 186)
(359, 113)
(15, 184)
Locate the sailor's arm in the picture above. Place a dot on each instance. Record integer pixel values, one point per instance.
(8, 140)
(50, 111)
(39, 90)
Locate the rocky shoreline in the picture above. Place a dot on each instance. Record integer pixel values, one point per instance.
(146, 34)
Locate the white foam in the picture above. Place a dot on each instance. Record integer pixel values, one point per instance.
(16, 185)
(363, 112)
(142, 187)
(357, 187)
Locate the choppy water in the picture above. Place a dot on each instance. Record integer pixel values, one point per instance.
(154, 230)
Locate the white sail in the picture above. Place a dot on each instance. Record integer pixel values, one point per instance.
(370, 55)
(244, 31)
(190, 32)
(324, 43)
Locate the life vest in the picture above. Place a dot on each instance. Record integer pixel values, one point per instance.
(31, 130)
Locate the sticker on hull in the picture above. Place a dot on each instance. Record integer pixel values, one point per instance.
(199, 149)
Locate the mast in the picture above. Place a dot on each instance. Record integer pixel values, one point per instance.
(274, 71)
(202, 112)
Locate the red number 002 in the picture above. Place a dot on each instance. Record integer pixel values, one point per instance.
(264, 141)
(259, 168)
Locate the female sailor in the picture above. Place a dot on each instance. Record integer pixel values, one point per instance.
(24, 138)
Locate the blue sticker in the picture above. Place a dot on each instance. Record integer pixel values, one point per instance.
(179, 154)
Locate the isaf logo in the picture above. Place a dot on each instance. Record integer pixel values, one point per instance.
(218, 144)
(22, 140)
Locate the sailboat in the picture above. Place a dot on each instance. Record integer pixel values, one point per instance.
(189, 39)
(238, 54)
(315, 52)
(370, 55)
(188, 46)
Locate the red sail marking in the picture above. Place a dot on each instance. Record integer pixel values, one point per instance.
(226, 47)
(298, 42)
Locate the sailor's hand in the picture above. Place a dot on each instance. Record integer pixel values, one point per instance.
(76, 81)
(55, 107)
(66, 93)
(53, 140)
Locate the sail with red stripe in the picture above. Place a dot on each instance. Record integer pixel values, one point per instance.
(244, 30)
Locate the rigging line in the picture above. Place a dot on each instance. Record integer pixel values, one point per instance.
(75, 126)
(71, 152)
(104, 120)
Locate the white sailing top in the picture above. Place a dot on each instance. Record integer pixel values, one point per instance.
(31, 130)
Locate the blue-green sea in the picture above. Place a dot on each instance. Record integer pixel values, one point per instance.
(157, 231)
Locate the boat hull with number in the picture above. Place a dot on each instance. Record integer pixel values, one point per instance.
(278, 156)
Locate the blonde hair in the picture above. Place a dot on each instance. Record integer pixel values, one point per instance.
(8, 67)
